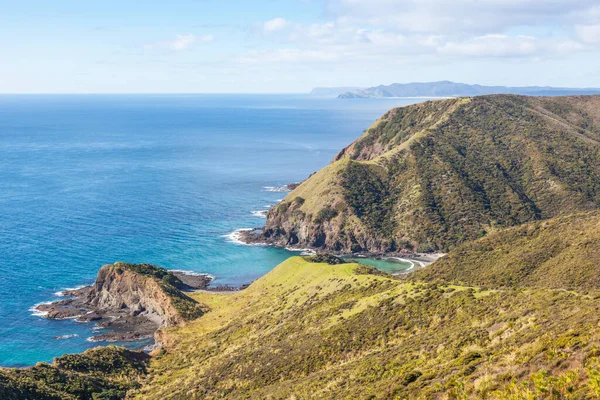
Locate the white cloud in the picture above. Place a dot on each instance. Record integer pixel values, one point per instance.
(402, 31)
(180, 42)
(287, 56)
(458, 16)
(589, 33)
(276, 24)
(492, 46)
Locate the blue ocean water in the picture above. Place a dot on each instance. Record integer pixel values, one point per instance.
(87, 180)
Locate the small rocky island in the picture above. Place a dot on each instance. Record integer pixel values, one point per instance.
(129, 302)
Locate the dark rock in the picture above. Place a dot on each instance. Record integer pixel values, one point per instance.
(191, 282)
(131, 304)
(292, 186)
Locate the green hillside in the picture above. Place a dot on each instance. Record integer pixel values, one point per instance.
(558, 253)
(509, 184)
(433, 175)
(309, 330)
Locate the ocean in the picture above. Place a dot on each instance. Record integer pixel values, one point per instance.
(87, 180)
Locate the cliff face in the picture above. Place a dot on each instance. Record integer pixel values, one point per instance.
(436, 174)
(117, 287)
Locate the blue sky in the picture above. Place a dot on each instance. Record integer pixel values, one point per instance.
(293, 45)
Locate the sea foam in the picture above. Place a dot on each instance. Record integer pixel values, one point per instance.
(62, 293)
(37, 313)
(275, 189)
(236, 237)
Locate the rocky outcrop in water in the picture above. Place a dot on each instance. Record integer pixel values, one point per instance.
(130, 301)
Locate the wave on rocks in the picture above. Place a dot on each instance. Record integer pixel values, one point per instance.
(61, 337)
(236, 237)
(276, 188)
(63, 292)
(37, 313)
(303, 252)
(192, 273)
(260, 213)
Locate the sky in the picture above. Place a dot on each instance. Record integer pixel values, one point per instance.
(291, 46)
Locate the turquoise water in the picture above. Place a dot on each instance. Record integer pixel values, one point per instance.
(389, 265)
(90, 180)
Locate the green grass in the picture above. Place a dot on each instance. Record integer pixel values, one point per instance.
(560, 253)
(309, 330)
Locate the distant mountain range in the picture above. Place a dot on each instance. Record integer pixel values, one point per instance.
(447, 89)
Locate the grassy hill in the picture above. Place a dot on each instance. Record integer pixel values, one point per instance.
(433, 175)
(561, 253)
(309, 330)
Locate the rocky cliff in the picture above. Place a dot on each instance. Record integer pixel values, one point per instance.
(119, 287)
(132, 300)
(436, 174)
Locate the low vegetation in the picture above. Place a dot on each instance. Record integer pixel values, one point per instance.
(324, 258)
(105, 373)
(560, 253)
(510, 185)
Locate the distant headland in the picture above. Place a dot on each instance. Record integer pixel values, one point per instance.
(445, 89)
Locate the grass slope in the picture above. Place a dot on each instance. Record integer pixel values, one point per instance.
(309, 330)
(562, 252)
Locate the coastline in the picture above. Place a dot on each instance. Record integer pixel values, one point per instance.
(255, 237)
(115, 323)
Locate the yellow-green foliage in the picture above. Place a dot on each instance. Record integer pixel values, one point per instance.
(100, 373)
(309, 330)
(562, 252)
(321, 191)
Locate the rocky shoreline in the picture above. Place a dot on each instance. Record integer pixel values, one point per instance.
(125, 312)
(260, 236)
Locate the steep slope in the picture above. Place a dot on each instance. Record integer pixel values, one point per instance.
(436, 174)
(151, 290)
(346, 331)
(562, 252)
(343, 331)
